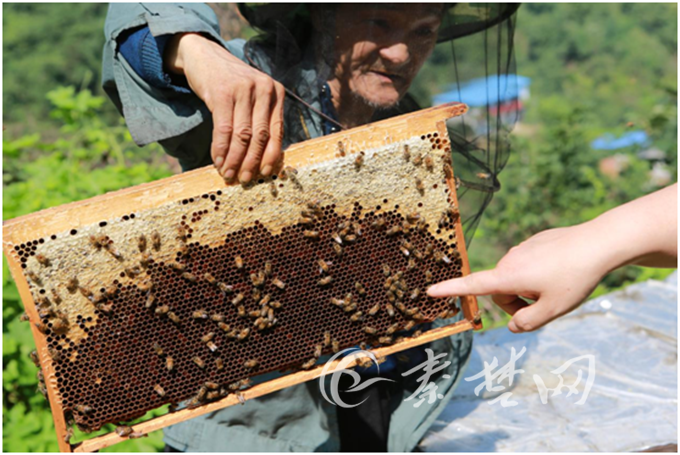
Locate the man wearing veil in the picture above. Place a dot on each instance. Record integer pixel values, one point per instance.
(312, 70)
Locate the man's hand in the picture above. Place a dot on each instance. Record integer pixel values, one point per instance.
(246, 104)
(554, 267)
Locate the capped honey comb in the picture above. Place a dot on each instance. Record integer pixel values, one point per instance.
(204, 285)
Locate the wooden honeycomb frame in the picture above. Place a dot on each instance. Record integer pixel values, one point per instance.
(321, 156)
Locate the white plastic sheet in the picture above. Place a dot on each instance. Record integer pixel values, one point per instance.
(632, 404)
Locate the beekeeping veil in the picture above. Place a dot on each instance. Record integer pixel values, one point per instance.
(472, 62)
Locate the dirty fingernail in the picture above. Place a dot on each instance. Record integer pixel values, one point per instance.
(218, 161)
(267, 170)
(230, 174)
(246, 176)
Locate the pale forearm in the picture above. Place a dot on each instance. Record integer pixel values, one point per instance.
(641, 232)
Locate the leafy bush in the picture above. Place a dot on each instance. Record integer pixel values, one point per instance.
(86, 159)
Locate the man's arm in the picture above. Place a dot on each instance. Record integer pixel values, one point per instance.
(559, 268)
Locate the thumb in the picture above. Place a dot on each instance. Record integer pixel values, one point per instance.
(479, 283)
(532, 317)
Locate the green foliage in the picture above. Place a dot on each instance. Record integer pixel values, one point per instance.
(86, 159)
(45, 46)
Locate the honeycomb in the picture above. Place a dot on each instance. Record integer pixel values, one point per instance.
(183, 302)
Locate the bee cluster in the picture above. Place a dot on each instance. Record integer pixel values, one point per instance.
(195, 325)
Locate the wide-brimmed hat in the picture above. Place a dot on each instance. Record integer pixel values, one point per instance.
(460, 19)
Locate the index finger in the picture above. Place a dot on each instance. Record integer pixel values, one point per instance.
(479, 283)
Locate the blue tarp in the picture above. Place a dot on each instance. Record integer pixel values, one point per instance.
(610, 142)
(485, 90)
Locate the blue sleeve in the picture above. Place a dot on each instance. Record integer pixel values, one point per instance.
(144, 53)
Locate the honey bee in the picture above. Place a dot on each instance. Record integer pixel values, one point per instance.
(311, 234)
(443, 315)
(46, 312)
(241, 397)
(158, 349)
(255, 313)
(417, 159)
(356, 317)
(400, 306)
(255, 279)
(305, 221)
(337, 302)
(415, 294)
(123, 431)
(421, 226)
(86, 293)
(97, 241)
(394, 230)
(199, 362)
(411, 264)
(24, 317)
(182, 233)
(407, 153)
(137, 435)
(275, 304)
(42, 259)
(374, 309)
(323, 265)
(251, 364)
(113, 251)
(189, 277)
(385, 340)
(208, 337)
(360, 288)
(441, 257)
(212, 346)
(200, 314)
(225, 288)
(219, 363)
(217, 317)
(409, 325)
(159, 390)
(56, 355)
(34, 358)
(83, 409)
(163, 309)
(308, 364)
(350, 238)
(338, 249)
(393, 328)
(341, 148)
(335, 346)
(359, 160)
(260, 323)
(238, 299)
(31, 274)
(72, 284)
(68, 435)
(156, 240)
(257, 294)
(325, 281)
(272, 188)
(173, 317)
(224, 326)
(448, 171)
(169, 363)
(404, 251)
(178, 266)
(278, 283)
(477, 318)
(378, 224)
(349, 307)
(141, 243)
(243, 334)
(429, 163)
(314, 205)
(370, 330)
(420, 186)
(238, 261)
(410, 312)
(327, 339)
